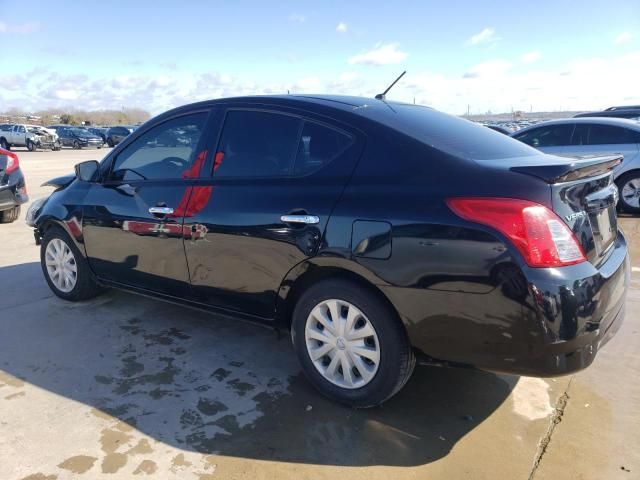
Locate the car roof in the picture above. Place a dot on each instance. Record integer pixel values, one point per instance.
(618, 122)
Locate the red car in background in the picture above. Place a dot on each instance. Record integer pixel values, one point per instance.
(13, 190)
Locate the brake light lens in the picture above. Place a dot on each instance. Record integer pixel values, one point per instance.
(542, 238)
(12, 161)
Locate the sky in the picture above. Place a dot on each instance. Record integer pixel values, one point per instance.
(460, 55)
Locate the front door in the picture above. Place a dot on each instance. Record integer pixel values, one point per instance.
(132, 220)
(276, 177)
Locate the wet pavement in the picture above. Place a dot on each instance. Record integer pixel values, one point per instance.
(128, 387)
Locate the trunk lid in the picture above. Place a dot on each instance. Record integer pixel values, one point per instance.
(584, 195)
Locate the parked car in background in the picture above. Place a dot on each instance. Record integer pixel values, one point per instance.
(78, 137)
(31, 136)
(594, 136)
(500, 128)
(116, 134)
(631, 112)
(100, 132)
(378, 233)
(13, 190)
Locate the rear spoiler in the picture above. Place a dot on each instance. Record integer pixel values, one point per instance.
(576, 168)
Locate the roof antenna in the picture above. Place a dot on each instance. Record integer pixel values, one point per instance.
(382, 96)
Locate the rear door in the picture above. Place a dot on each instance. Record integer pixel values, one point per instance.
(132, 220)
(597, 139)
(275, 178)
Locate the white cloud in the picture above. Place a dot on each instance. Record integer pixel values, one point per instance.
(342, 27)
(487, 35)
(297, 18)
(624, 37)
(497, 85)
(492, 68)
(19, 29)
(382, 54)
(530, 57)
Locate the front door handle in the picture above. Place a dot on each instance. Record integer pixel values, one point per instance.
(161, 210)
(305, 219)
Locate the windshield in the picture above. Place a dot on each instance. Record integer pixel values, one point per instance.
(80, 132)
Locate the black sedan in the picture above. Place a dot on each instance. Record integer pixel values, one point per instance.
(13, 191)
(77, 138)
(378, 233)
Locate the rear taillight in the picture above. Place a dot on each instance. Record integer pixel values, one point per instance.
(12, 161)
(542, 238)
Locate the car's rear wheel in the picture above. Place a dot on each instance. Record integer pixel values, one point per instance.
(629, 187)
(351, 344)
(65, 269)
(110, 142)
(11, 215)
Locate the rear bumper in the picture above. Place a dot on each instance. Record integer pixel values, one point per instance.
(545, 322)
(11, 195)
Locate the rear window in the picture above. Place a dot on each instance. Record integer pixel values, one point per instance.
(453, 135)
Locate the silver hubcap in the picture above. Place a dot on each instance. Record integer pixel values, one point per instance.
(61, 265)
(631, 193)
(342, 344)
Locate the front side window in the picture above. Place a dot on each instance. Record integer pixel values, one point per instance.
(167, 151)
(257, 144)
(547, 136)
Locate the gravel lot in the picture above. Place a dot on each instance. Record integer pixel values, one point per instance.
(126, 387)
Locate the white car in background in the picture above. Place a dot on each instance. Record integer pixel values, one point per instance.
(594, 136)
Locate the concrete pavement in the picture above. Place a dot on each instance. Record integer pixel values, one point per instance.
(126, 387)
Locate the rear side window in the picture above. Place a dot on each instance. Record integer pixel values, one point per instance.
(167, 151)
(258, 144)
(547, 136)
(453, 135)
(608, 134)
(318, 146)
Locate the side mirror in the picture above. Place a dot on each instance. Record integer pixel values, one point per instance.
(87, 171)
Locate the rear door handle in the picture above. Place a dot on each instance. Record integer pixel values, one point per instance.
(305, 219)
(161, 210)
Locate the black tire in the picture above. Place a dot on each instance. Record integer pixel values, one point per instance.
(4, 144)
(76, 145)
(11, 215)
(110, 142)
(32, 147)
(625, 178)
(396, 357)
(85, 286)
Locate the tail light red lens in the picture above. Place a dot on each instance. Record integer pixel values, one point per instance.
(12, 161)
(542, 238)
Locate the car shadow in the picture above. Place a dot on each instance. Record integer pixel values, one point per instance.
(210, 384)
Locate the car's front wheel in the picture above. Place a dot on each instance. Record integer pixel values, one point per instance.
(76, 145)
(65, 269)
(31, 146)
(351, 344)
(629, 188)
